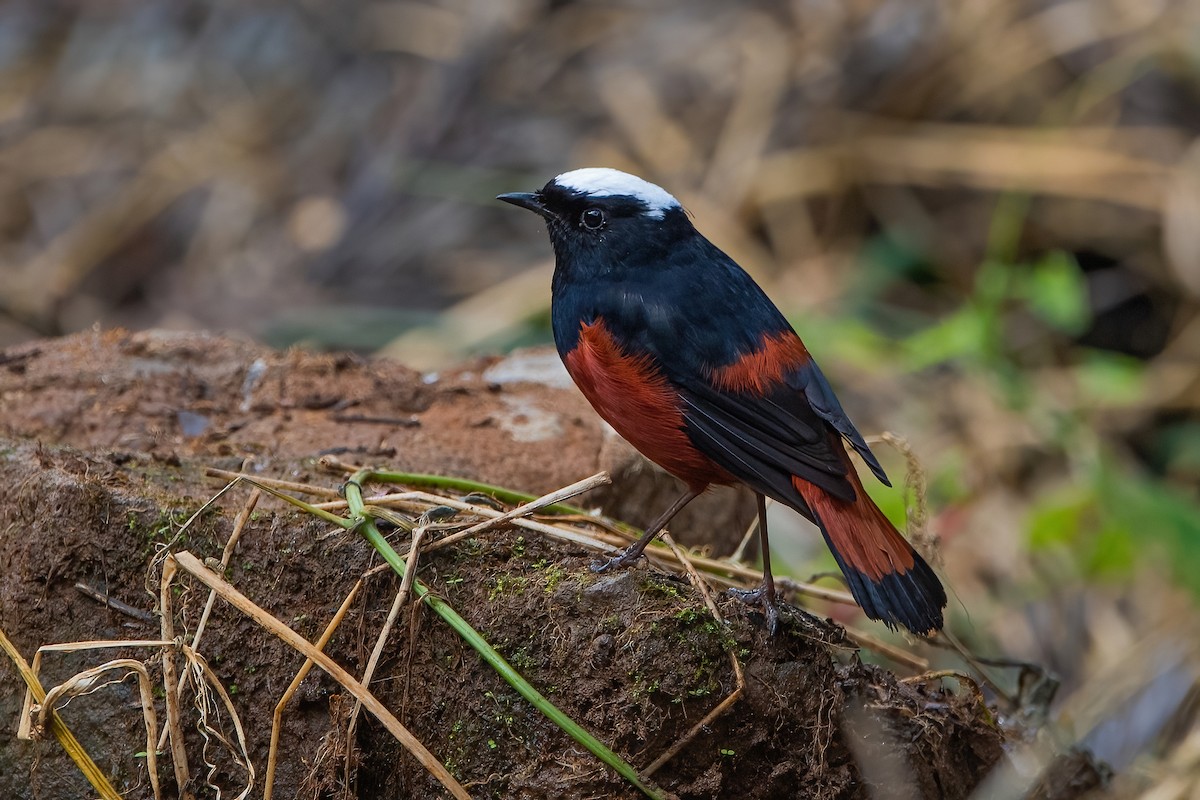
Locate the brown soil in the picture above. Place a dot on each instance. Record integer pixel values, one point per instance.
(103, 441)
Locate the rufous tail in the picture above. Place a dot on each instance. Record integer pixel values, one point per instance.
(887, 577)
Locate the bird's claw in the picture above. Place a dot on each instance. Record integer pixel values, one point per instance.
(761, 597)
(625, 558)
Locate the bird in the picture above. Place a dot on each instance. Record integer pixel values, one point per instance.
(688, 359)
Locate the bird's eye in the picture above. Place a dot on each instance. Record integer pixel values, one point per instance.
(592, 219)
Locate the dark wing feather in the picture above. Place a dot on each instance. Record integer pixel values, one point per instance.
(747, 464)
(809, 379)
(764, 441)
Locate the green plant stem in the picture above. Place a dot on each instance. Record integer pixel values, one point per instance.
(370, 532)
(321, 513)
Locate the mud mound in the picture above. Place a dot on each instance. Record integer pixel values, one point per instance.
(107, 436)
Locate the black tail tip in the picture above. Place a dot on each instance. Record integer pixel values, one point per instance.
(912, 599)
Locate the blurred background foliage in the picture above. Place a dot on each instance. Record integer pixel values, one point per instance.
(983, 216)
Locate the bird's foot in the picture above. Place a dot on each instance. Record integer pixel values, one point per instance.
(626, 558)
(762, 596)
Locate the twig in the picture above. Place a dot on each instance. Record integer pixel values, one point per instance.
(114, 604)
(394, 422)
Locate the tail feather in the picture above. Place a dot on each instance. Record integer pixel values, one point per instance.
(887, 577)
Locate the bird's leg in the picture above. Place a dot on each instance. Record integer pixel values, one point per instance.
(634, 551)
(765, 594)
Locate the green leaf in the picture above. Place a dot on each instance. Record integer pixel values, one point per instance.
(1057, 521)
(1112, 551)
(844, 340)
(1110, 379)
(1056, 290)
(963, 334)
(993, 285)
(1157, 517)
(1178, 446)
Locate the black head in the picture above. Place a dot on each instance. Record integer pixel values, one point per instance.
(601, 218)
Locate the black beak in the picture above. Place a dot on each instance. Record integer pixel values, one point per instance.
(530, 200)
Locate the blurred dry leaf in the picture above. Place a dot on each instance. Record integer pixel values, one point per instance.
(1181, 216)
(423, 29)
(316, 223)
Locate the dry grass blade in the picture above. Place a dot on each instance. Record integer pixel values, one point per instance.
(695, 577)
(577, 488)
(193, 566)
(602, 540)
(301, 674)
(1008, 159)
(86, 682)
(606, 542)
(58, 728)
(239, 525)
(425, 499)
(205, 681)
(274, 483)
(410, 571)
(24, 731)
(739, 554)
(174, 715)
